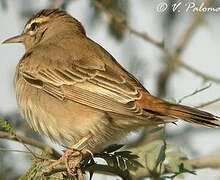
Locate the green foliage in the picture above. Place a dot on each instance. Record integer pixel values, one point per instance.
(39, 167)
(124, 160)
(6, 126)
(159, 158)
(156, 157)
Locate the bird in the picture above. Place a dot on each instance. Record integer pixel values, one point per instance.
(70, 88)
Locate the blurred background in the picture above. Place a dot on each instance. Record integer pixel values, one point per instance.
(191, 34)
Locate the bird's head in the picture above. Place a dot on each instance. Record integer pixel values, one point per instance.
(46, 24)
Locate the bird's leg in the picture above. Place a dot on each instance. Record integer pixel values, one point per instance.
(72, 157)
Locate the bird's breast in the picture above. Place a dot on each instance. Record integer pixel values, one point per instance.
(64, 122)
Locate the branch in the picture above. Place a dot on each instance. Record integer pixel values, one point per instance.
(192, 27)
(13, 150)
(160, 45)
(170, 65)
(98, 168)
(212, 161)
(205, 162)
(31, 142)
(104, 169)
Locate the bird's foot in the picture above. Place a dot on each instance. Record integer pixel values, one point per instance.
(72, 158)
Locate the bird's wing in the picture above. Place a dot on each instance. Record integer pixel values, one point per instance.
(87, 81)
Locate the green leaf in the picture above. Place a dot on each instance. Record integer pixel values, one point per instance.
(136, 163)
(6, 126)
(150, 159)
(175, 159)
(121, 163)
(29, 172)
(183, 169)
(115, 162)
(162, 155)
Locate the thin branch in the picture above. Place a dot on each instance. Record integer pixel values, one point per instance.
(97, 168)
(205, 162)
(31, 142)
(170, 65)
(194, 93)
(158, 44)
(192, 27)
(13, 150)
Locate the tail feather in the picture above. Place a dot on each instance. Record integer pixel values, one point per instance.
(192, 115)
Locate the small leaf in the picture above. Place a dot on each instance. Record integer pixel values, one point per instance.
(136, 163)
(162, 155)
(28, 173)
(115, 162)
(121, 163)
(148, 147)
(131, 168)
(183, 169)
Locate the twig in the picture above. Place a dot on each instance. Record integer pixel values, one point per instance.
(98, 168)
(194, 93)
(170, 65)
(31, 142)
(13, 150)
(205, 162)
(192, 27)
(160, 45)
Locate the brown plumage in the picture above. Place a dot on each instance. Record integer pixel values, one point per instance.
(68, 86)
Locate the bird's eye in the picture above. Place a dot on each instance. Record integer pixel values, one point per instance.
(34, 26)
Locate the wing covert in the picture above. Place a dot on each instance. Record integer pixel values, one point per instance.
(88, 81)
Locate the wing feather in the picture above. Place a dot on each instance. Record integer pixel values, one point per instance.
(88, 81)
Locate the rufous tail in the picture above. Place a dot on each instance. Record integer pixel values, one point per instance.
(192, 115)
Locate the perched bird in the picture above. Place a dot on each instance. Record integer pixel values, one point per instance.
(68, 87)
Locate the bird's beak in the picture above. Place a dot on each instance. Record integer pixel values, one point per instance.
(16, 39)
